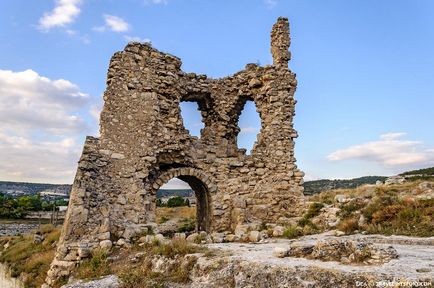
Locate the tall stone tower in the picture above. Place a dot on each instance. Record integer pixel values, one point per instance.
(143, 144)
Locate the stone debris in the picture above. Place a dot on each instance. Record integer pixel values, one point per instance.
(106, 245)
(38, 237)
(341, 198)
(278, 231)
(344, 251)
(14, 229)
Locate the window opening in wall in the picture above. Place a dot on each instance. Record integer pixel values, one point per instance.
(191, 117)
(250, 125)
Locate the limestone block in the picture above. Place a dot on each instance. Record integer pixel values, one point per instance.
(254, 236)
(278, 231)
(193, 238)
(280, 252)
(106, 245)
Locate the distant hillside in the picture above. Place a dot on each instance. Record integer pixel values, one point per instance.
(174, 192)
(420, 172)
(317, 186)
(22, 188)
(17, 189)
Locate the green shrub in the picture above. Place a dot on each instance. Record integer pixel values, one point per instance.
(94, 267)
(177, 201)
(292, 232)
(188, 226)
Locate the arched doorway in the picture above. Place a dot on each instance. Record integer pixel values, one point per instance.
(202, 188)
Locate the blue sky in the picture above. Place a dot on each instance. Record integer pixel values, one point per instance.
(364, 68)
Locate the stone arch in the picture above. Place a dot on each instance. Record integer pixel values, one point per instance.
(202, 186)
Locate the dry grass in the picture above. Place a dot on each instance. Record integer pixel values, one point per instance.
(94, 267)
(392, 209)
(29, 260)
(165, 213)
(139, 274)
(348, 225)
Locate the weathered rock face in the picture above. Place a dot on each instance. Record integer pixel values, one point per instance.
(144, 144)
(345, 251)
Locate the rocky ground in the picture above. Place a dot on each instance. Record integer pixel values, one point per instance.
(14, 229)
(398, 260)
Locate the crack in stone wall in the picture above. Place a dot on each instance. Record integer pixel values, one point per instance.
(143, 144)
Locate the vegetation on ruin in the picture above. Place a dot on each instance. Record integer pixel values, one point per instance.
(138, 273)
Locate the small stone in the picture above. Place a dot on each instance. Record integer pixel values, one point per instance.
(121, 242)
(278, 231)
(160, 238)
(106, 245)
(117, 156)
(254, 236)
(423, 270)
(38, 238)
(254, 83)
(231, 238)
(280, 252)
(193, 238)
(217, 237)
(341, 198)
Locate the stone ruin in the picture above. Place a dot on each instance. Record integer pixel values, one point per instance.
(143, 144)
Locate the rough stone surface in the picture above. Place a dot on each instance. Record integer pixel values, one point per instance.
(111, 281)
(280, 252)
(343, 250)
(144, 144)
(106, 244)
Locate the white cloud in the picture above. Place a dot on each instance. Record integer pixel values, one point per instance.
(30, 101)
(65, 12)
(40, 123)
(115, 23)
(39, 161)
(390, 151)
(95, 111)
(270, 3)
(136, 39)
(175, 183)
(310, 177)
(156, 2)
(249, 130)
(392, 136)
(99, 28)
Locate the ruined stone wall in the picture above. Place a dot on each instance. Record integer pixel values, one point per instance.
(143, 144)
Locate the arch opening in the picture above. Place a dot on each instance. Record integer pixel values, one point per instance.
(185, 202)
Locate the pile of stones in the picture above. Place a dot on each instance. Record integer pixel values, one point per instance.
(341, 250)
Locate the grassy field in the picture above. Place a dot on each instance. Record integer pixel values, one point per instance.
(164, 214)
(28, 260)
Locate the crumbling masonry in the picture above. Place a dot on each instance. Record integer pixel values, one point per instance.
(144, 144)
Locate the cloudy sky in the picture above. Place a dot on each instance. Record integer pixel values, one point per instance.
(364, 68)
